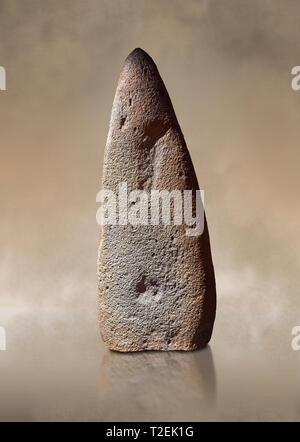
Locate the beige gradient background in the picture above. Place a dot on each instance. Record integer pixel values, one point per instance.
(226, 65)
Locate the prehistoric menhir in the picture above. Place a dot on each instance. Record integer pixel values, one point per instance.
(156, 284)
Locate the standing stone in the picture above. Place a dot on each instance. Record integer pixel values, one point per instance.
(156, 284)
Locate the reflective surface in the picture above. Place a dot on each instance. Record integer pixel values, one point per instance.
(51, 371)
(157, 385)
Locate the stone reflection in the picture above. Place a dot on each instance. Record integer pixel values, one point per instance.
(162, 386)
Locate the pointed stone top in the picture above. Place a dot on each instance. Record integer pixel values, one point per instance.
(144, 130)
(140, 56)
(138, 62)
(141, 85)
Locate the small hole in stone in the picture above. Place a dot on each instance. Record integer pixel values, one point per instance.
(134, 129)
(122, 121)
(141, 286)
(130, 101)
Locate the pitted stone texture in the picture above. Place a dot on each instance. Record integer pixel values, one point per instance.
(156, 285)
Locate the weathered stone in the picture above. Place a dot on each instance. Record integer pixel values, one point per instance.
(156, 284)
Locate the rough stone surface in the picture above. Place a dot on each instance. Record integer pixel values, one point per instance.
(156, 285)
